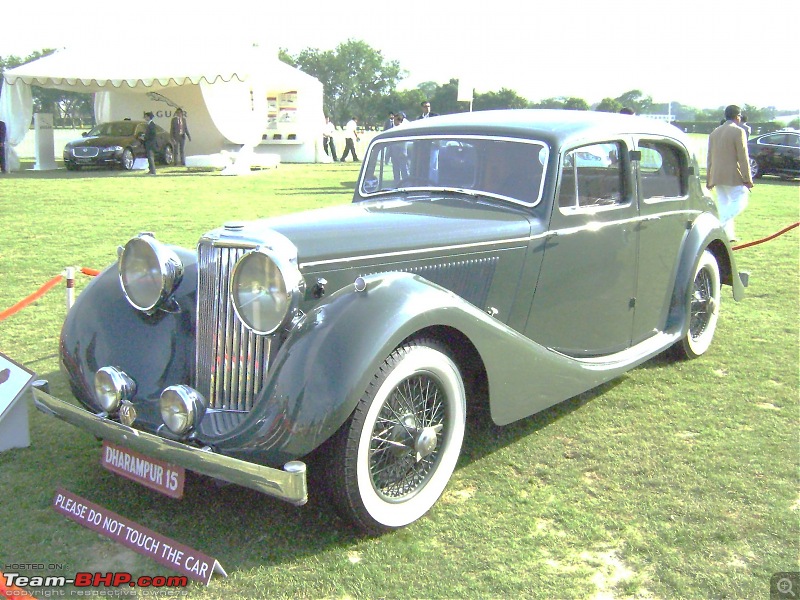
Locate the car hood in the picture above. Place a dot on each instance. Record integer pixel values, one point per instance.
(363, 230)
(98, 140)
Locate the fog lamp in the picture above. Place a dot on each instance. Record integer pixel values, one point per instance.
(111, 387)
(182, 408)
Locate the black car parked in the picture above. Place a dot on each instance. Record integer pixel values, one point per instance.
(116, 143)
(776, 153)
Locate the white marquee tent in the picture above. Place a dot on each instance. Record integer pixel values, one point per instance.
(233, 97)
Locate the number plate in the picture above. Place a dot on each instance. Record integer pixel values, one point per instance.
(150, 472)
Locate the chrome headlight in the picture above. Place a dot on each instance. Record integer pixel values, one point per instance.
(181, 408)
(264, 291)
(111, 387)
(149, 272)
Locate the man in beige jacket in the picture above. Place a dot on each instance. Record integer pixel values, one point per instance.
(728, 168)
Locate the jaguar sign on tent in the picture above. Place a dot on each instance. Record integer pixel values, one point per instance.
(245, 97)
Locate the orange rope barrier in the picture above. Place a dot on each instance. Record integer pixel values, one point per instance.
(768, 238)
(32, 298)
(42, 291)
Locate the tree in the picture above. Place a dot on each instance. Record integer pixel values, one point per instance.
(636, 100)
(355, 77)
(576, 104)
(610, 105)
(505, 98)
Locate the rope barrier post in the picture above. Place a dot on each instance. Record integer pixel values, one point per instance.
(70, 276)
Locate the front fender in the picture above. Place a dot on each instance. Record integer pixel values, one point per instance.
(103, 329)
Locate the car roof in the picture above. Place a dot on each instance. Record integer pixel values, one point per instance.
(556, 126)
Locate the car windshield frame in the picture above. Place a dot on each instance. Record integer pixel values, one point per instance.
(114, 129)
(491, 173)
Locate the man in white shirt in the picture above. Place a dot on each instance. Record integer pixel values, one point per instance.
(350, 139)
(327, 138)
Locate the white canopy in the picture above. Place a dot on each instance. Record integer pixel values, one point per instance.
(233, 85)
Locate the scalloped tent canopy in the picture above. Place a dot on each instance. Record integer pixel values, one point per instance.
(223, 90)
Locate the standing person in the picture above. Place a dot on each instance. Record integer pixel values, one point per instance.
(745, 126)
(179, 130)
(426, 110)
(2, 147)
(728, 168)
(389, 122)
(327, 138)
(150, 142)
(350, 139)
(398, 153)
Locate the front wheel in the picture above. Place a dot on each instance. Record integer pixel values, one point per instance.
(702, 308)
(127, 159)
(394, 457)
(169, 155)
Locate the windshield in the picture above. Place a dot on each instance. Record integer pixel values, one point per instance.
(115, 129)
(507, 168)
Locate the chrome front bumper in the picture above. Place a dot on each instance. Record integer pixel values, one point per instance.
(289, 484)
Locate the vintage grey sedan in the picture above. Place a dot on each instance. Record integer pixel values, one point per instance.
(508, 258)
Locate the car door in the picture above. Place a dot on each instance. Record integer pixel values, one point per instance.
(662, 173)
(582, 304)
(793, 153)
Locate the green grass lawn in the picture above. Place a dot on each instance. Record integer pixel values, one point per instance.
(677, 480)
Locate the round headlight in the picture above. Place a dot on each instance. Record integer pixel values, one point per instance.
(149, 272)
(181, 408)
(111, 387)
(262, 293)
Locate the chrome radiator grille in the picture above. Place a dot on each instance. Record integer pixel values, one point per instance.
(231, 361)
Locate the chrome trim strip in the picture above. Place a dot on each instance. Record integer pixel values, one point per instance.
(286, 485)
(332, 261)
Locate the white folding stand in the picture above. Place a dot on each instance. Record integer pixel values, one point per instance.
(14, 428)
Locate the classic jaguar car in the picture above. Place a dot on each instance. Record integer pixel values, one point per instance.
(497, 266)
(115, 144)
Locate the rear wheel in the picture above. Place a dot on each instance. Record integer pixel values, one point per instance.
(702, 308)
(394, 457)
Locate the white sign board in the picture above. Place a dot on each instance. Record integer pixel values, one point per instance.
(465, 89)
(44, 143)
(14, 380)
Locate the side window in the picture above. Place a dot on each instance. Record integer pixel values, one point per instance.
(663, 170)
(773, 140)
(592, 176)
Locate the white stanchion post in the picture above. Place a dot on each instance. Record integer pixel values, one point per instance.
(70, 277)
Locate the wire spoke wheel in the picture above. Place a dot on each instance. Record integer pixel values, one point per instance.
(404, 448)
(703, 308)
(394, 457)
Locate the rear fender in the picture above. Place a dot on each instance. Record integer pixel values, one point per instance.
(706, 232)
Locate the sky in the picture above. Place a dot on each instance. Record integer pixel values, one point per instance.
(686, 51)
